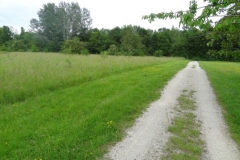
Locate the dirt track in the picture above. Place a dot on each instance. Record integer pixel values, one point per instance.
(147, 138)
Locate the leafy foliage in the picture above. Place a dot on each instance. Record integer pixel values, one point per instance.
(131, 44)
(19, 45)
(158, 53)
(34, 48)
(74, 46)
(227, 28)
(113, 50)
(5, 34)
(60, 23)
(99, 41)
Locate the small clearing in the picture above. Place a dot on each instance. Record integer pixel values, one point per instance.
(147, 139)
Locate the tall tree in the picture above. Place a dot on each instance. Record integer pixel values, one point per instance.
(5, 34)
(59, 23)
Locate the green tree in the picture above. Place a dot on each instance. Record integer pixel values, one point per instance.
(19, 45)
(145, 37)
(59, 23)
(131, 44)
(115, 36)
(5, 34)
(178, 42)
(228, 26)
(196, 44)
(99, 41)
(22, 32)
(161, 40)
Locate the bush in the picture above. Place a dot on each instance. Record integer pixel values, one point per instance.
(45, 50)
(74, 46)
(3, 48)
(85, 52)
(34, 48)
(104, 54)
(112, 50)
(20, 50)
(131, 44)
(158, 53)
(19, 45)
(67, 51)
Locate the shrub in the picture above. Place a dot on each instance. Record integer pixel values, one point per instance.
(85, 52)
(158, 53)
(34, 48)
(20, 50)
(45, 50)
(3, 48)
(19, 45)
(74, 46)
(112, 50)
(131, 44)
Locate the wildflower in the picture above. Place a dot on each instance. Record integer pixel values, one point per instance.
(110, 123)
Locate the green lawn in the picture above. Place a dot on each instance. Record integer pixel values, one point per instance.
(225, 79)
(56, 106)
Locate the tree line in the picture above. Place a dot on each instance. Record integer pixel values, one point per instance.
(223, 35)
(67, 28)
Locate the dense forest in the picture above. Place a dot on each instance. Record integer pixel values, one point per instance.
(67, 28)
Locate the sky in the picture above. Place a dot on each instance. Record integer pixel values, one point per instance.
(106, 14)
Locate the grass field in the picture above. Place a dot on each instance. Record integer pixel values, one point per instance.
(30, 74)
(225, 79)
(56, 106)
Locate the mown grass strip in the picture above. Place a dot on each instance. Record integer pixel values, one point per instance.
(225, 79)
(82, 121)
(24, 75)
(185, 142)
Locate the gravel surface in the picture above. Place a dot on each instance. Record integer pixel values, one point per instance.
(148, 136)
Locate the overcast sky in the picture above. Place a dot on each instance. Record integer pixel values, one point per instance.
(105, 13)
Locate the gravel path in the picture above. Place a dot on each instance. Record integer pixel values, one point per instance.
(147, 138)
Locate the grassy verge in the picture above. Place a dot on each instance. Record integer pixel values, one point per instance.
(185, 142)
(24, 75)
(225, 79)
(80, 122)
